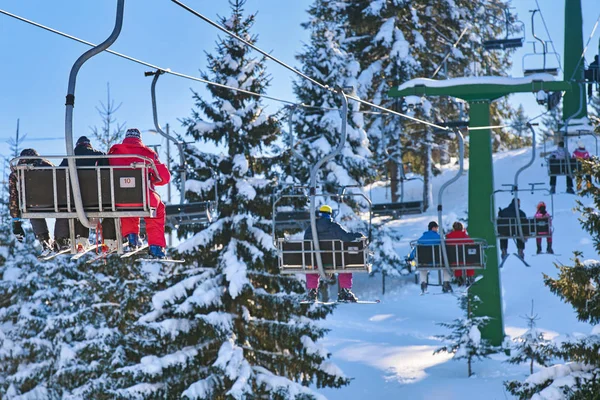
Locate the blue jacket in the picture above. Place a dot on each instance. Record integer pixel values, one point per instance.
(331, 230)
(428, 237)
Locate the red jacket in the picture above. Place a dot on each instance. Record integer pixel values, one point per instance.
(135, 146)
(581, 154)
(458, 237)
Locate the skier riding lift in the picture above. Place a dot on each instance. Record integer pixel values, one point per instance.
(40, 228)
(582, 154)
(431, 237)
(130, 226)
(327, 229)
(561, 154)
(513, 210)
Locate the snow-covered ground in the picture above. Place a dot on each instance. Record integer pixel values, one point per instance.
(388, 348)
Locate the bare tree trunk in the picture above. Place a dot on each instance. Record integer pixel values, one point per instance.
(394, 179)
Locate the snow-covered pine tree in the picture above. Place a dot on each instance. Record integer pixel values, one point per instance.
(236, 326)
(319, 130)
(531, 346)
(465, 342)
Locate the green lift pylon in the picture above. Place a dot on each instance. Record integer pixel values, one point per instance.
(480, 93)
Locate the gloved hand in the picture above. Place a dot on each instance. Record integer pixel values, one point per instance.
(17, 229)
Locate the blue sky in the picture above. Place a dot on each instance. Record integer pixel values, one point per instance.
(35, 63)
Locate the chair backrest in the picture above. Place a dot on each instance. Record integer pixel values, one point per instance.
(40, 183)
(532, 227)
(560, 166)
(333, 252)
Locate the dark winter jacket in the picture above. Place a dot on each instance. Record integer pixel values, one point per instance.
(328, 229)
(86, 150)
(511, 211)
(13, 184)
(428, 237)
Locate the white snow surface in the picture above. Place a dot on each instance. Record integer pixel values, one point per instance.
(388, 348)
(474, 80)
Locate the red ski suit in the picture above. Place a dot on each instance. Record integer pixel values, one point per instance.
(460, 237)
(155, 227)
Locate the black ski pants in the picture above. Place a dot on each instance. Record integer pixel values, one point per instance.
(569, 181)
(504, 244)
(61, 229)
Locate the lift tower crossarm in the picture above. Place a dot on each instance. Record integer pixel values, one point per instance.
(479, 88)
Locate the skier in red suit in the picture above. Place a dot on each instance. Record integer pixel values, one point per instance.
(155, 227)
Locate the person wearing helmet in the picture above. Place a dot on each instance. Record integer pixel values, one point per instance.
(430, 237)
(581, 154)
(543, 214)
(563, 155)
(40, 228)
(155, 226)
(328, 229)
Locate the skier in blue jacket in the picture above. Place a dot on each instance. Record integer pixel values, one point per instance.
(431, 237)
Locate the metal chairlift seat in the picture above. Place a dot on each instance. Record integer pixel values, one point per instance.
(461, 256)
(559, 167)
(397, 209)
(508, 228)
(502, 44)
(106, 191)
(531, 71)
(298, 256)
(191, 213)
(292, 220)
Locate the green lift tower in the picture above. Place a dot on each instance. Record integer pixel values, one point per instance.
(480, 92)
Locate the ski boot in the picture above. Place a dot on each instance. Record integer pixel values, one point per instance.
(47, 247)
(134, 241)
(570, 190)
(539, 248)
(81, 244)
(346, 296)
(156, 252)
(109, 246)
(61, 244)
(423, 287)
(311, 295)
(504, 253)
(549, 249)
(446, 288)
(552, 189)
(521, 254)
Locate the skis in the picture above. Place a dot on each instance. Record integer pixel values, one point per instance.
(84, 252)
(53, 255)
(130, 253)
(101, 256)
(547, 254)
(329, 303)
(161, 260)
(522, 260)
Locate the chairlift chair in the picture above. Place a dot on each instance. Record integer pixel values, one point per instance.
(506, 42)
(545, 69)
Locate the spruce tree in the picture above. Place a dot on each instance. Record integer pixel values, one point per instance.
(531, 346)
(465, 342)
(250, 335)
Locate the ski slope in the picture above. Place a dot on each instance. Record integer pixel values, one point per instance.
(387, 348)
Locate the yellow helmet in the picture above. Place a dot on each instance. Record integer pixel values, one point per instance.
(326, 209)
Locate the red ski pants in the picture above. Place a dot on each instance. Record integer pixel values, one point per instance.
(155, 227)
(345, 280)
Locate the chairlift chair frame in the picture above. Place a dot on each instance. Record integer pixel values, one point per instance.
(545, 53)
(506, 43)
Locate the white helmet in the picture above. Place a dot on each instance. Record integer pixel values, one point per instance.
(580, 144)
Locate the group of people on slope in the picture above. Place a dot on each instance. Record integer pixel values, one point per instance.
(562, 154)
(513, 210)
(432, 237)
(130, 226)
